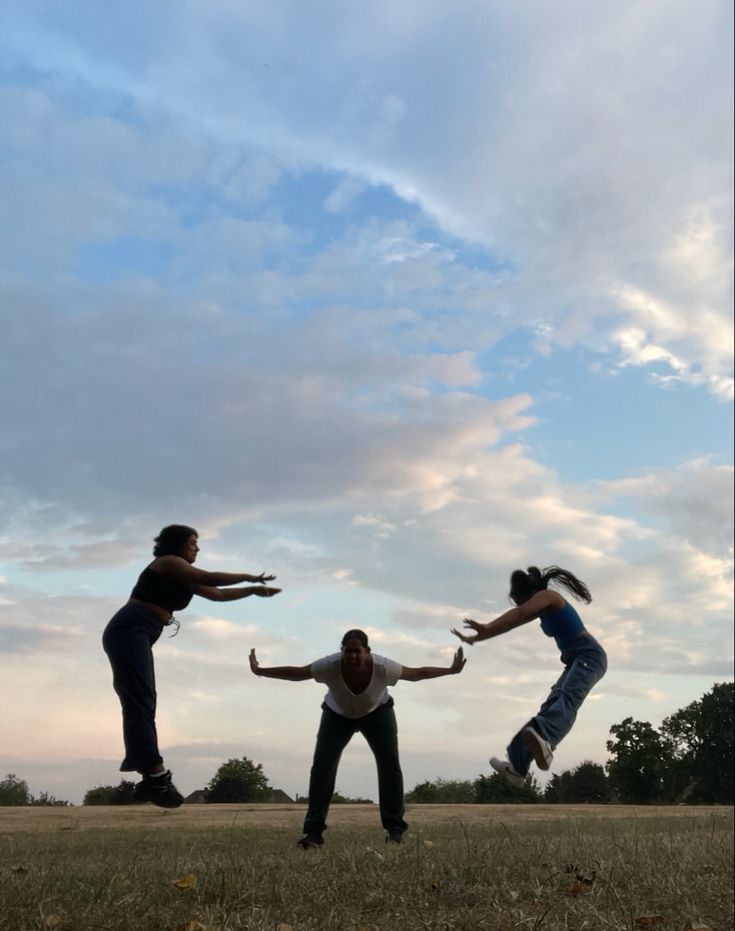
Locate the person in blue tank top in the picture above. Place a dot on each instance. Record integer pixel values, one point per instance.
(585, 663)
(166, 585)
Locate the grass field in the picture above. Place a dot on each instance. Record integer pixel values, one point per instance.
(493, 867)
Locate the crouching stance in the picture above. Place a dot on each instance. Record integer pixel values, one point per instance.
(357, 700)
(584, 660)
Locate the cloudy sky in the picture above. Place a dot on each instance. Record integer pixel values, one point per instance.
(387, 299)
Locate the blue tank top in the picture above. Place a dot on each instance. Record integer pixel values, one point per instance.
(562, 625)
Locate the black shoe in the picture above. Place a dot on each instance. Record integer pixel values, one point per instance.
(310, 841)
(159, 790)
(394, 837)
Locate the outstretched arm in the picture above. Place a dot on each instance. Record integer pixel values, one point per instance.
(433, 672)
(513, 618)
(290, 673)
(175, 567)
(233, 594)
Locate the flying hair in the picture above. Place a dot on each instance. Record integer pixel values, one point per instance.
(525, 584)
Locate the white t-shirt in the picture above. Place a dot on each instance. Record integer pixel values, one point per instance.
(341, 700)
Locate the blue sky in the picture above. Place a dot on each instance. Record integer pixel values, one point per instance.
(388, 300)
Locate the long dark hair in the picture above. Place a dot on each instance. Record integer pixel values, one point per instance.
(172, 539)
(523, 585)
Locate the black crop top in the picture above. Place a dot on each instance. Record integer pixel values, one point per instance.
(161, 590)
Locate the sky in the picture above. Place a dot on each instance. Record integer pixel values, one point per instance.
(388, 300)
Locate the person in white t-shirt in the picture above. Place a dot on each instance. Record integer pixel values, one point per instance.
(357, 700)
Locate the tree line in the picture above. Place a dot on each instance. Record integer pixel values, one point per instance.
(14, 791)
(688, 759)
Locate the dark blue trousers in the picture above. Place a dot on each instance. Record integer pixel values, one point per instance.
(335, 732)
(128, 640)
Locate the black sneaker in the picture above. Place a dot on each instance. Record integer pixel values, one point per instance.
(394, 837)
(159, 790)
(310, 841)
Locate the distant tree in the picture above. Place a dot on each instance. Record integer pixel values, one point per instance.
(587, 783)
(639, 762)
(559, 787)
(590, 783)
(701, 740)
(45, 799)
(111, 795)
(239, 781)
(338, 799)
(494, 789)
(443, 792)
(424, 793)
(14, 791)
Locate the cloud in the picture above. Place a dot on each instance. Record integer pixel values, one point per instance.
(693, 501)
(567, 157)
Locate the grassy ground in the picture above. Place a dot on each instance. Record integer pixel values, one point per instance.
(461, 867)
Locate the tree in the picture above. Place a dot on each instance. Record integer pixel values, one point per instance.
(45, 799)
(494, 789)
(338, 799)
(639, 764)
(443, 792)
(122, 794)
(701, 738)
(239, 781)
(586, 783)
(590, 783)
(14, 791)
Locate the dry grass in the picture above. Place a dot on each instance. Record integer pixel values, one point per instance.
(498, 868)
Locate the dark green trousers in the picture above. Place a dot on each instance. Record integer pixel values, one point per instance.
(335, 732)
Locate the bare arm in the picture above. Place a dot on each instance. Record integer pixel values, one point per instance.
(511, 619)
(175, 567)
(290, 673)
(433, 672)
(233, 594)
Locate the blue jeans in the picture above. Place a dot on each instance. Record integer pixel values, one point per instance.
(585, 663)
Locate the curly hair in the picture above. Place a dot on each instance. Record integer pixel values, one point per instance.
(172, 539)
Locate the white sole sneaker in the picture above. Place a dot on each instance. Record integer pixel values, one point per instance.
(507, 772)
(539, 748)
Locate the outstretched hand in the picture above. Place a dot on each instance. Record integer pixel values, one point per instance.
(458, 662)
(263, 578)
(254, 667)
(472, 625)
(265, 592)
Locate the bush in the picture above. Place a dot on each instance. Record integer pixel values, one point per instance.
(122, 794)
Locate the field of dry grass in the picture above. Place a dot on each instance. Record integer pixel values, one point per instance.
(496, 868)
(284, 816)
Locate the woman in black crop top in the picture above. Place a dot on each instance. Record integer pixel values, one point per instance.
(168, 584)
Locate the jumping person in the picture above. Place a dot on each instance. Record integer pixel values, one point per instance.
(585, 663)
(357, 700)
(166, 585)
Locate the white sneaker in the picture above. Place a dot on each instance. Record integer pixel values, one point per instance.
(539, 748)
(507, 772)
